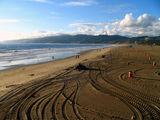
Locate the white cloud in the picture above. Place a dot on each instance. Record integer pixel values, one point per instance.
(144, 20)
(79, 3)
(76, 4)
(88, 28)
(9, 20)
(144, 25)
(128, 21)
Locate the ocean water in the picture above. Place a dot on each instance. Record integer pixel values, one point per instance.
(12, 55)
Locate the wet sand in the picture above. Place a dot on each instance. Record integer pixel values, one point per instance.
(100, 90)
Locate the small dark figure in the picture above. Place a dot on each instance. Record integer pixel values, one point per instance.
(31, 74)
(130, 46)
(103, 56)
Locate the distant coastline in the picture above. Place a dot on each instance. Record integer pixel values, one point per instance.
(100, 39)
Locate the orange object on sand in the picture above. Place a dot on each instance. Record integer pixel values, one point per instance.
(154, 64)
(130, 75)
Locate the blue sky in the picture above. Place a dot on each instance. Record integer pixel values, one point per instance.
(37, 18)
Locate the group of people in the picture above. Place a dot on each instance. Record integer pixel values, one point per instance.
(77, 56)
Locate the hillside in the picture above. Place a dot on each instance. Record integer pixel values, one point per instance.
(74, 39)
(91, 39)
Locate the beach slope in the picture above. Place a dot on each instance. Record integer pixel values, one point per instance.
(96, 86)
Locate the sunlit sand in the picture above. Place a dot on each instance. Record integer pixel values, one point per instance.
(100, 90)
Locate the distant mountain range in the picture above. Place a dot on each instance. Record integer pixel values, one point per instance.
(91, 39)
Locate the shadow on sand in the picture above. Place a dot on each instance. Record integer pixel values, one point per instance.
(83, 67)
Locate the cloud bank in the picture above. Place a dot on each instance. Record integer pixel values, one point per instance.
(144, 25)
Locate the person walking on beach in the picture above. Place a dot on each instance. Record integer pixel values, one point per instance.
(77, 56)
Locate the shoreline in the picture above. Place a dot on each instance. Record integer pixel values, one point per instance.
(13, 77)
(78, 53)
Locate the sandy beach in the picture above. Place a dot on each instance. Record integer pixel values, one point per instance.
(21, 75)
(98, 89)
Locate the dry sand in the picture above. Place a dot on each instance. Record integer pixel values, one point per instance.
(17, 76)
(99, 91)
